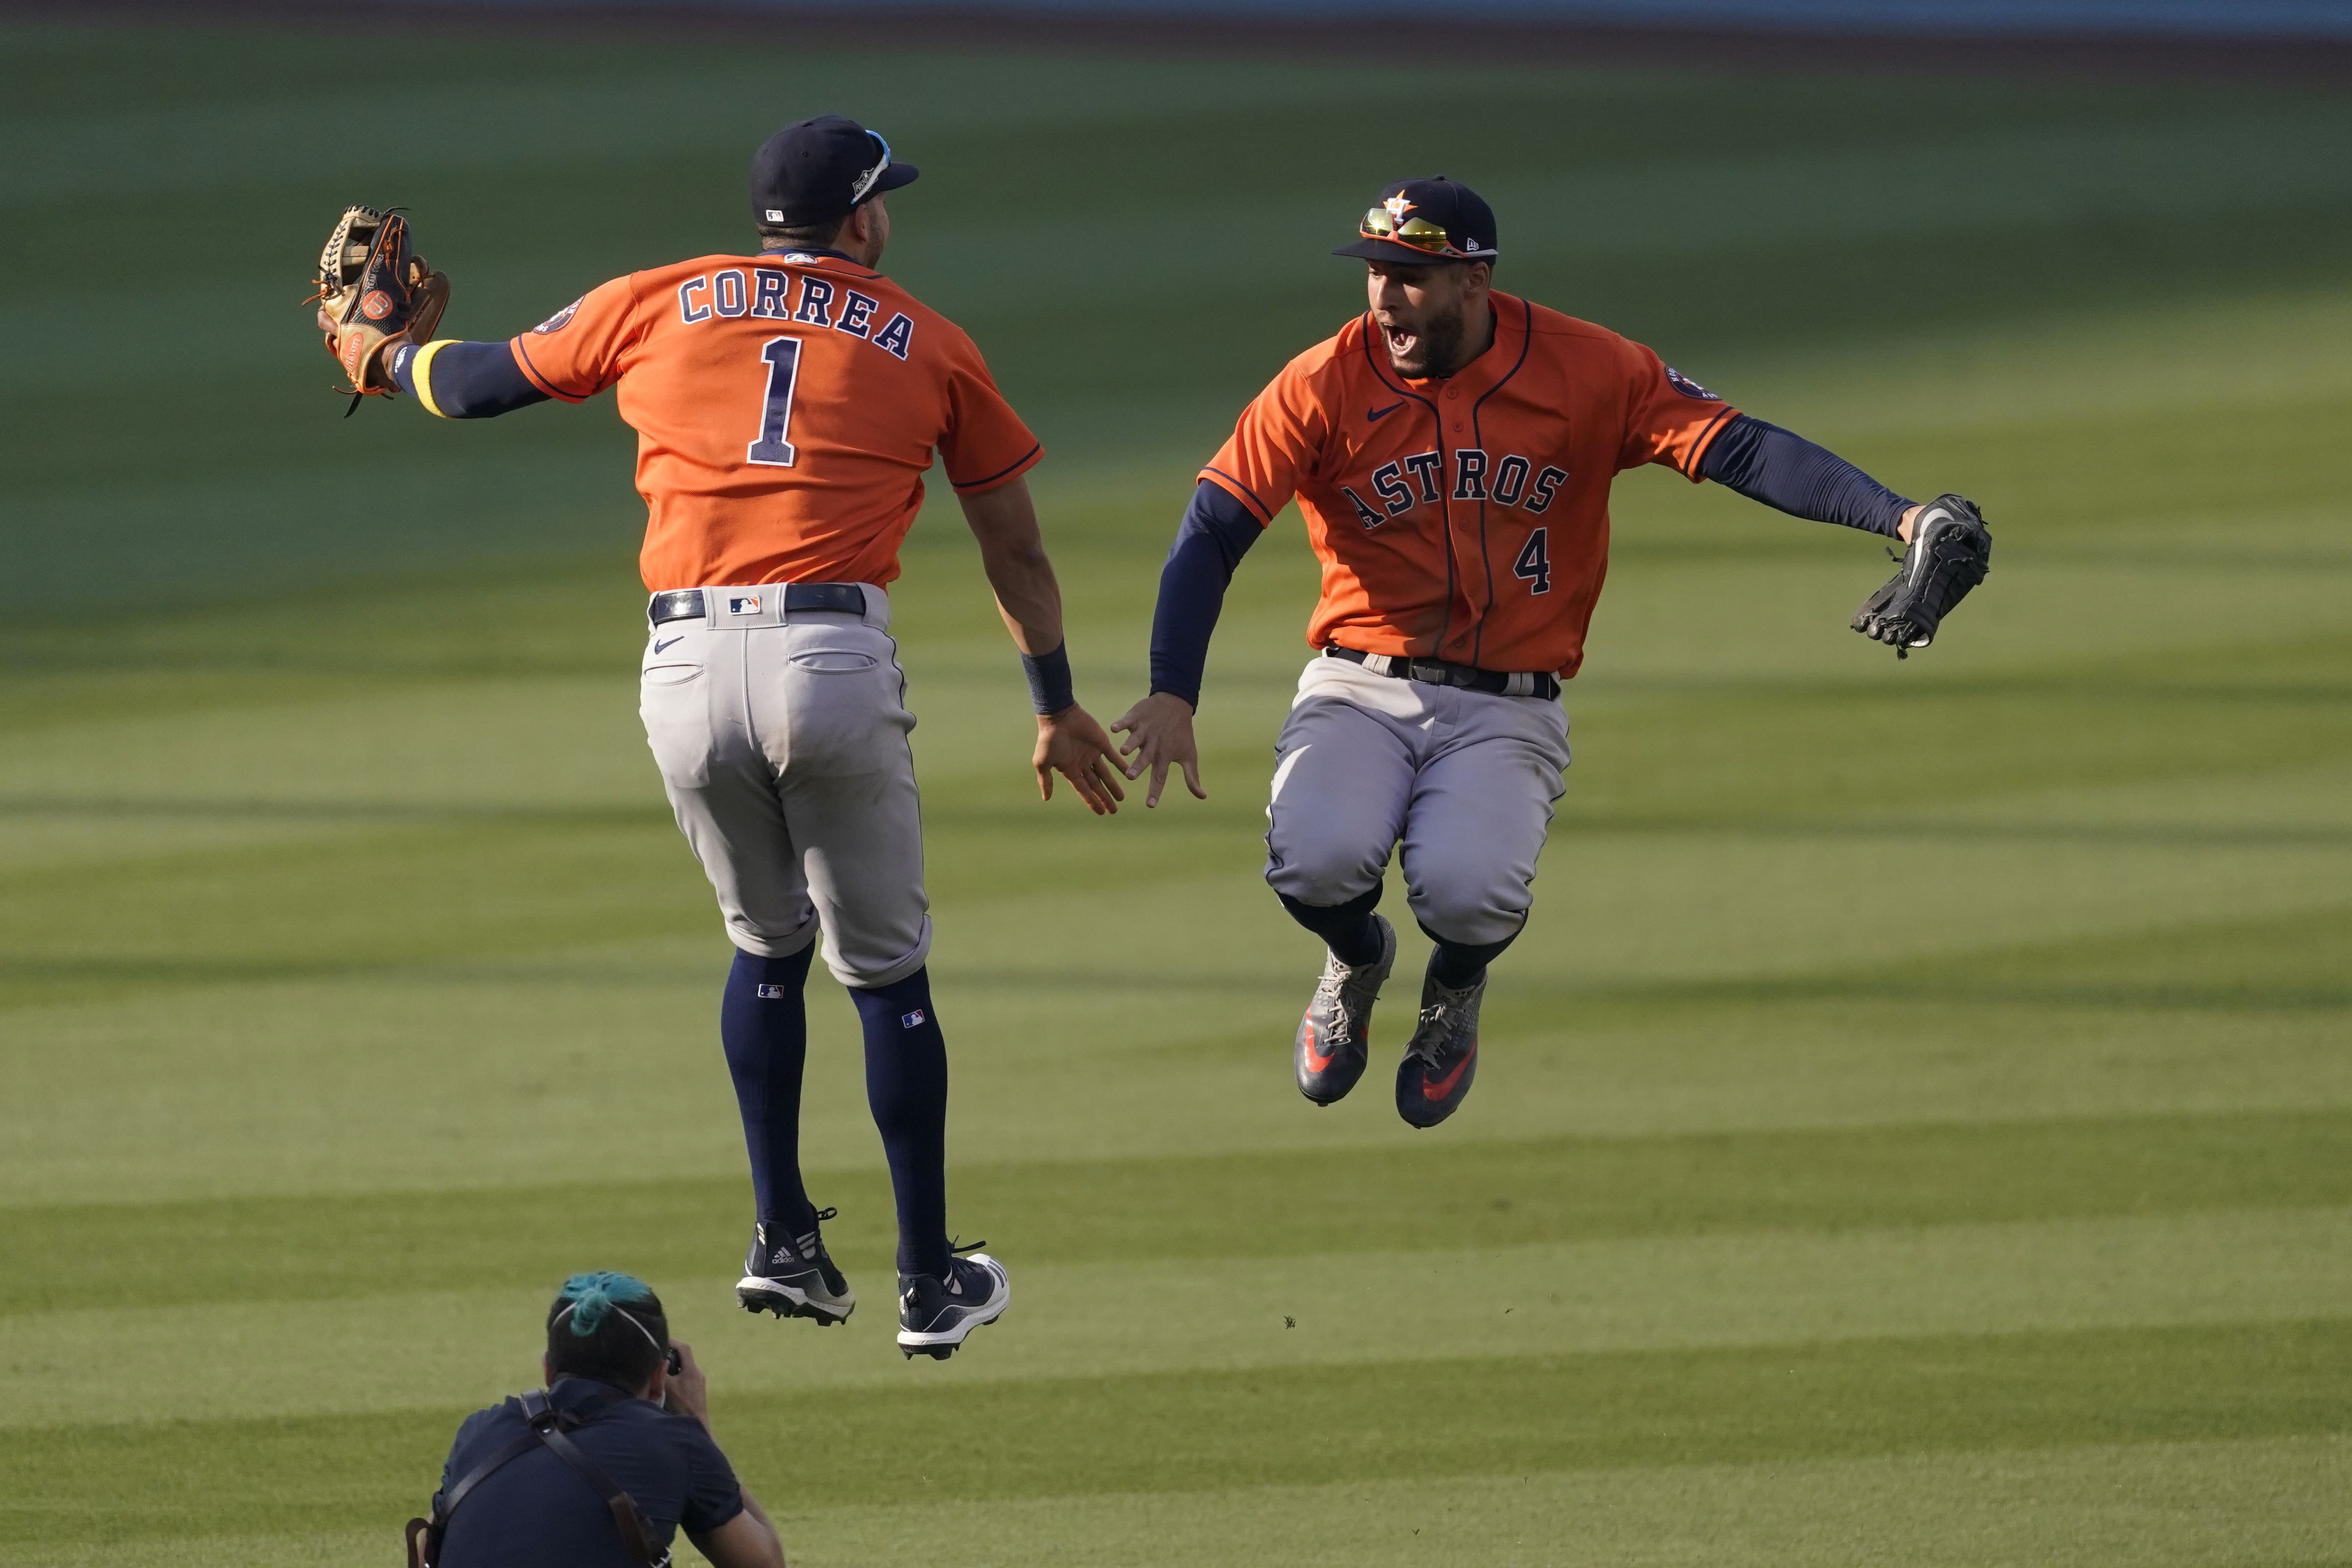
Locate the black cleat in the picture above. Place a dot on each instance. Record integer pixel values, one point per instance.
(935, 1313)
(1332, 1039)
(1440, 1064)
(793, 1276)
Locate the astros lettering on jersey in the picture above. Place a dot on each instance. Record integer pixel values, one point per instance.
(755, 461)
(1464, 517)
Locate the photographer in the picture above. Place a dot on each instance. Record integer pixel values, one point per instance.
(605, 1465)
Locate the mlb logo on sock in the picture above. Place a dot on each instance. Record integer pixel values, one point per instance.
(770, 993)
(912, 1020)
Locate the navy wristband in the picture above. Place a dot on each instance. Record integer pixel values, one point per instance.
(1049, 680)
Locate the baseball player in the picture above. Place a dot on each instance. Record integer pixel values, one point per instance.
(787, 402)
(1452, 450)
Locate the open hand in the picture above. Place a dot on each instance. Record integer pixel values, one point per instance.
(1158, 732)
(1072, 744)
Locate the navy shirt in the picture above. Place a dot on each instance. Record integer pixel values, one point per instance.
(537, 1511)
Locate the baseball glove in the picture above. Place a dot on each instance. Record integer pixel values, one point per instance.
(372, 291)
(1952, 549)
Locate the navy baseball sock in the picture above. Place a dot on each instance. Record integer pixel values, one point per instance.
(1455, 965)
(907, 1088)
(763, 1024)
(1346, 928)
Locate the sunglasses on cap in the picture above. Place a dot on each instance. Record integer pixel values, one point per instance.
(858, 191)
(1414, 233)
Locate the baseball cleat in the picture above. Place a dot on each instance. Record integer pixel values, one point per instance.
(1442, 1061)
(1329, 1051)
(793, 1276)
(936, 1314)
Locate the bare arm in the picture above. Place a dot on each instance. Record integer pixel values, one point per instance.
(1012, 553)
(747, 1541)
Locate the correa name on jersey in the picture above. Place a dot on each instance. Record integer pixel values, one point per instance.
(767, 293)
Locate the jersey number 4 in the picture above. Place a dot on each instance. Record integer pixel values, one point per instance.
(772, 448)
(1534, 567)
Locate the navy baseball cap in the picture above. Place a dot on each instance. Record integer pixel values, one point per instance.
(1425, 221)
(814, 171)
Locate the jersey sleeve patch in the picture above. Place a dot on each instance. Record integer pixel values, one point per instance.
(562, 319)
(1689, 388)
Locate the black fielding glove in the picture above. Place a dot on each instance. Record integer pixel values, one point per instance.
(1951, 550)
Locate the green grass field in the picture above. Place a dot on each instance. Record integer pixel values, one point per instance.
(1917, 1126)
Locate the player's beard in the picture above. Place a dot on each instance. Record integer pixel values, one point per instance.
(1437, 347)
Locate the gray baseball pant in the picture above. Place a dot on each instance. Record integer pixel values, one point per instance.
(781, 741)
(1465, 780)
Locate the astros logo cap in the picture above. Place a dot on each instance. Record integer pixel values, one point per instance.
(814, 171)
(1426, 221)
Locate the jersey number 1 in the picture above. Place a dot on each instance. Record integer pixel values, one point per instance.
(783, 358)
(1533, 565)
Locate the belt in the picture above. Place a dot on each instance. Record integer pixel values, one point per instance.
(1447, 673)
(685, 603)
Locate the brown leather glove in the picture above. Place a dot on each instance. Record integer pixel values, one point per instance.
(374, 292)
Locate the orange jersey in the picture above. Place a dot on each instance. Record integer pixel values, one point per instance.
(786, 406)
(1467, 518)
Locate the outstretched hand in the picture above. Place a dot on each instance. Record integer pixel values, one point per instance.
(1072, 744)
(1158, 732)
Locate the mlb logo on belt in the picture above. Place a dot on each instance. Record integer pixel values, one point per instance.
(743, 604)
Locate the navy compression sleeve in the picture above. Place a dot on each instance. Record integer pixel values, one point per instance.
(1217, 531)
(464, 380)
(1767, 463)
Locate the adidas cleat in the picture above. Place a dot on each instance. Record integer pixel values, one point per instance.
(793, 1276)
(935, 1313)
(1443, 1059)
(1336, 1033)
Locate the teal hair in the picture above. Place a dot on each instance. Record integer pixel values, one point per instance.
(591, 1297)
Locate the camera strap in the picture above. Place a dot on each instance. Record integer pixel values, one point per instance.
(548, 1426)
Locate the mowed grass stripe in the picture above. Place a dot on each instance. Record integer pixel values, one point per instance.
(1458, 1195)
(2254, 1503)
(392, 1351)
(1198, 1431)
(2251, 1503)
(2280, 964)
(536, 882)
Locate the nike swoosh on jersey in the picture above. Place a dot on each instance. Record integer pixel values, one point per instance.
(1380, 413)
(673, 642)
